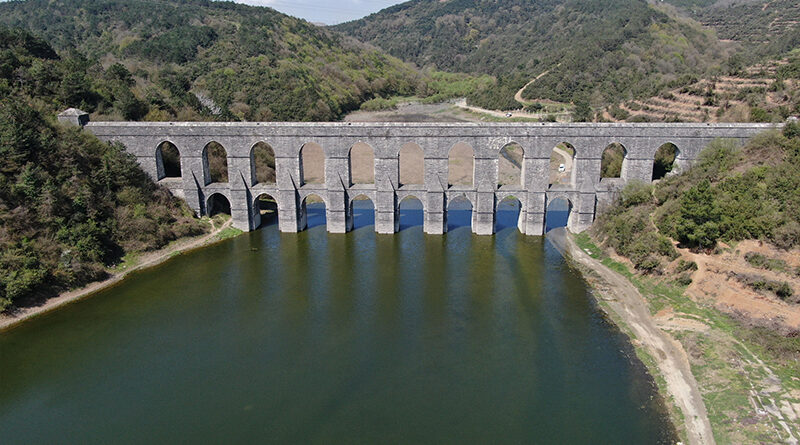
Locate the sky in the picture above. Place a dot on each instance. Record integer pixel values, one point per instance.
(329, 12)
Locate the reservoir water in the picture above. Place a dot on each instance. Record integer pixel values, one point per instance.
(318, 338)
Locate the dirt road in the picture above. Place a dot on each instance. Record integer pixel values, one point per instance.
(518, 97)
(626, 301)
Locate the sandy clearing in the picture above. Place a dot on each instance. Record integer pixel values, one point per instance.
(712, 281)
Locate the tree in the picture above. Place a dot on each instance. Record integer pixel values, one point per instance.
(698, 225)
(582, 112)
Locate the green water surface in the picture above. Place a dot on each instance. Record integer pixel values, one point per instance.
(318, 338)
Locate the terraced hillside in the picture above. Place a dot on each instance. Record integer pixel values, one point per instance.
(761, 93)
(753, 22)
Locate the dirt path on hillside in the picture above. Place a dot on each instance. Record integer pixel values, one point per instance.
(518, 97)
(626, 301)
(148, 259)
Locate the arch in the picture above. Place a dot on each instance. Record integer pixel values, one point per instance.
(215, 162)
(362, 210)
(411, 164)
(459, 212)
(508, 214)
(362, 163)
(168, 161)
(563, 154)
(266, 210)
(461, 165)
(664, 160)
(313, 210)
(217, 204)
(612, 162)
(312, 164)
(510, 165)
(262, 162)
(558, 213)
(411, 212)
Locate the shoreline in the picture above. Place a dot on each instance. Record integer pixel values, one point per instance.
(616, 293)
(148, 260)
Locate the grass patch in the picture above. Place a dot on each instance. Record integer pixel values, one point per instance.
(228, 232)
(129, 261)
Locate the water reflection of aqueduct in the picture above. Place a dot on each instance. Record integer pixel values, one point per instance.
(392, 146)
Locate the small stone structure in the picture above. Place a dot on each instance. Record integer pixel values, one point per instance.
(586, 193)
(74, 116)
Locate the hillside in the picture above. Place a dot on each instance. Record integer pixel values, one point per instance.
(71, 205)
(600, 51)
(764, 92)
(197, 59)
(766, 27)
(729, 195)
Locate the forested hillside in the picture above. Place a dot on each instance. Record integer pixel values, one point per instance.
(198, 59)
(764, 27)
(729, 195)
(600, 51)
(70, 205)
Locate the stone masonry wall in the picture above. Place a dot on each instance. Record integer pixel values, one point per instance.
(587, 193)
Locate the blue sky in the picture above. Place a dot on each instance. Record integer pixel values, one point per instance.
(326, 11)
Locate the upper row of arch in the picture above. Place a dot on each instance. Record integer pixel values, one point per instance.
(494, 152)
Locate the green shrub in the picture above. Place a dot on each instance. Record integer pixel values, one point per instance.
(791, 130)
(698, 224)
(636, 193)
(379, 104)
(759, 115)
(684, 266)
(684, 279)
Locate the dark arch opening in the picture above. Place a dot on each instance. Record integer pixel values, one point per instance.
(267, 210)
(562, 160)
(411, 212)
(664, 160)
(262, 158)
(411, 160)
(508, 214)
(218, 204)
(168, 161)
(314, 211)
(216, 162)
(461, 165)
(459, 213)
(312, 164)
(362, 164)
(363, 211)
(558, 213)
(510, 164)
(612, 161)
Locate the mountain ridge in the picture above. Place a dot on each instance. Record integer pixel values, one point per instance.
(629, 47)
(254, 63)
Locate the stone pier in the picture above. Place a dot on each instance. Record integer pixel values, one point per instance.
(586, 193)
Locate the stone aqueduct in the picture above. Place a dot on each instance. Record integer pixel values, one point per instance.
(586, 192)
